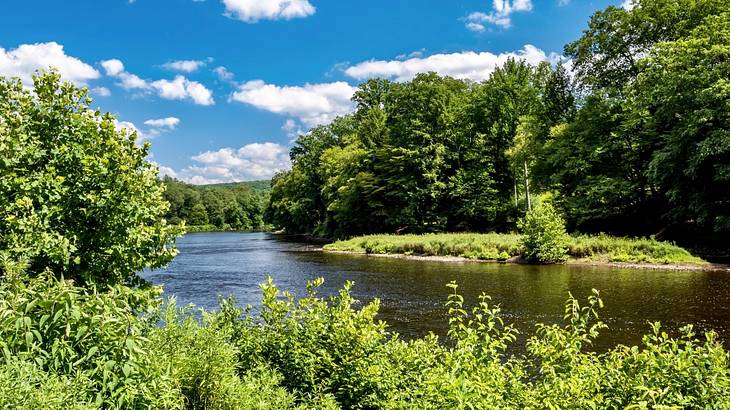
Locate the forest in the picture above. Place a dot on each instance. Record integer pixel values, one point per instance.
(630, 135)
(222, 207)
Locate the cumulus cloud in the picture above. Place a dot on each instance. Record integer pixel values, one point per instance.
(465, 65)
(250, 162)
(166, 172)
(223, 73)
(252, 11)
(312, 104)
(113, 67)
(179, 88)
(127, 126)
(628, 4)
(155, 127)
(24, 60)
(168, 122)
(101, 91)
(186, 66)
(500, 15)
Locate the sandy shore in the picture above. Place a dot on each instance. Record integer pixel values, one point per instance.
(518, 260)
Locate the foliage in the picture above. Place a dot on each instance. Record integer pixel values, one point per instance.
(648, 148)
(609, 52)
(91, 345)
(681, 97)
(330, 353)
(493, 246)
(636, 145)
(419, 156)
(77, 195)
(543, 235)
(490, 246)
(233, 206)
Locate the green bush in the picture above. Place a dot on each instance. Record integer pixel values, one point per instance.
(82, 337)
(77, 195)
(328, 353)
(543, 235)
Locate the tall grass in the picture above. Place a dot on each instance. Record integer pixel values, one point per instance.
(494, 246)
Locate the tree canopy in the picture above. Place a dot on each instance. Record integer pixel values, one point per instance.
(233, 206)
(631, 139)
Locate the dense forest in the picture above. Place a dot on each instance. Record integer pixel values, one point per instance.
(234, 206)
(630, 135)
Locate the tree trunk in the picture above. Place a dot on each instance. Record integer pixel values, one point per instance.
(527, 189)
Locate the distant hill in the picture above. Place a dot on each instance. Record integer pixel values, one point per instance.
(224, 207)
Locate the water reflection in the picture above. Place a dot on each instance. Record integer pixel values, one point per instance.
(413, 292)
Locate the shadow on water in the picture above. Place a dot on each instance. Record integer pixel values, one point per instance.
(413, 293)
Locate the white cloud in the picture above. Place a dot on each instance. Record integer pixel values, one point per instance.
(169, 123)
(252, 11)
(186, 66)
(112, 67)
(312, 104)
(250, 162)
(127, 126)
(167, 172)
(24, 60)
(292, 129)
(475, 27)
(101, 91)
(179, 88)
(500, 15)
(465, 65)
(223, 73)
(628, 4)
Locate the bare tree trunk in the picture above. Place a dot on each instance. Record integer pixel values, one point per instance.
(527, 188)
(516, 200)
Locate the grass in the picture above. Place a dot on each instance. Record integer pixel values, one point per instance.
(494, 246)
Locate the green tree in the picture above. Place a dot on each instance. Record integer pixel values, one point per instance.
(198, 215)
(77, 195)
(543, 235)
(607, 55)
(681, 99)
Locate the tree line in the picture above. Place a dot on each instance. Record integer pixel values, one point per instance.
(632, 137)
(236, 206)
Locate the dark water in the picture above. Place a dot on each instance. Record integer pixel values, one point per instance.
(413, 293)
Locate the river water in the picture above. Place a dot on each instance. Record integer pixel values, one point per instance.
(413, 293)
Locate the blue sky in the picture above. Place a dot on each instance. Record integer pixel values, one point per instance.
(220, 87)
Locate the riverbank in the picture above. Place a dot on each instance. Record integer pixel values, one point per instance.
(213, 228)
(644, 253)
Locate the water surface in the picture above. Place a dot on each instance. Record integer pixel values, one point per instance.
(413, 293)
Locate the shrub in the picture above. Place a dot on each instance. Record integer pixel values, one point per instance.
(77, 195)
(543, 235)
(329, 353)
(82, 341)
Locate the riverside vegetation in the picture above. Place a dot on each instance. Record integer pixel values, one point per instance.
(634, 142)
(82, 211)
(543, 241)
(500, 247)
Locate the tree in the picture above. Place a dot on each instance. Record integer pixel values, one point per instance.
(198, 215)
(77, 195)
(682, 101)
(607, 55)
(543, 235)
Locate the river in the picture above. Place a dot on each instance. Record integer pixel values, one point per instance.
(413, 293)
